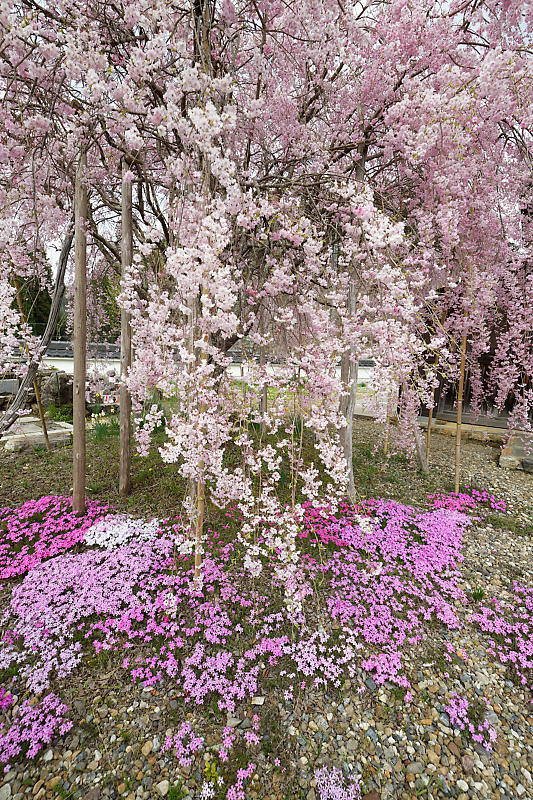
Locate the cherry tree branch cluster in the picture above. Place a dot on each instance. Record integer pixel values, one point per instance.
(280, 153)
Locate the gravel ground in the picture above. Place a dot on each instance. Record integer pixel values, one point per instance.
(397, 749)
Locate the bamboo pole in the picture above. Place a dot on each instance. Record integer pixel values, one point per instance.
(80, 336)
(460, 392)
(125, 346)
(35, 384)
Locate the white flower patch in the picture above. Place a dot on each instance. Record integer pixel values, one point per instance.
(116, 530)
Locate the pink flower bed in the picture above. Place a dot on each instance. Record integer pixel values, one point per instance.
(41, 529)
(33, 726)
(465, 501)
(510, 627)
(459, 713)
(385, 570)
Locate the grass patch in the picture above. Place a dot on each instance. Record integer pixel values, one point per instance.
(61, 413)
(506, 522)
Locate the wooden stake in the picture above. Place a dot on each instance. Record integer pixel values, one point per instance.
(80, 336)
(125, 346)
(35, 384)
(460, 392)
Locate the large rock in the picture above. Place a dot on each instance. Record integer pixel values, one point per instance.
(56, 389)
(518, 451)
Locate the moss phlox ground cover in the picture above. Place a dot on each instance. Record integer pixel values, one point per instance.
(372, 578)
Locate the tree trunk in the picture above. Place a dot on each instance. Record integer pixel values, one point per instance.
(349, 372)
(80, 336)
(200, 517)
(125, 347)
(460, 392)
(421, 459)
(430, 415)
(428, 432)
(263, 402)
(12, 413)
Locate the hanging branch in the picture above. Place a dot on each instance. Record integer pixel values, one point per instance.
(432, 407)
(13, 412)
(35, 384)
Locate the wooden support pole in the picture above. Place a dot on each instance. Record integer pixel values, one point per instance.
(125, 346)
(460, 393)
(80, 335)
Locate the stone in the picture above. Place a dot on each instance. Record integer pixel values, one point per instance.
(48, 756)
(162, 788)
(462, 785)
(452, 747)
(468, 764)
(517, 449)
(56, 390)
(5, 791)
(258, 701)
(415, 767)
(147, 748)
